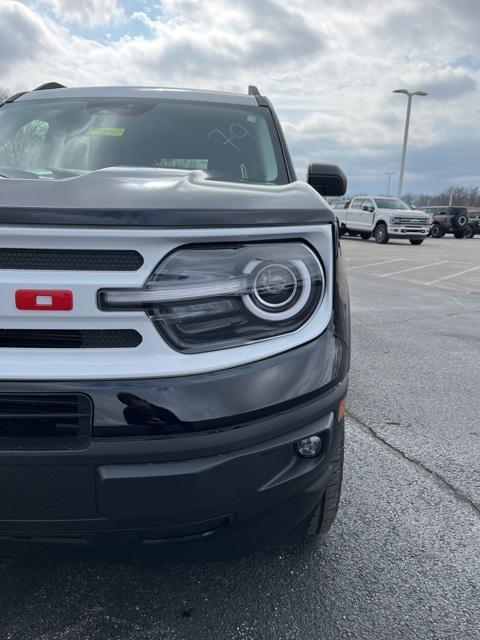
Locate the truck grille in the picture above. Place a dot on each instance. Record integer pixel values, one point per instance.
(410, 221)
(70, 260)
(69, 338)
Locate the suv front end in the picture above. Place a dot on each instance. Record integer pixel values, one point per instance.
(174, 345)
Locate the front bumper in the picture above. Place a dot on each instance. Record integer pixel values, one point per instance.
(408, 232)
(222, 482)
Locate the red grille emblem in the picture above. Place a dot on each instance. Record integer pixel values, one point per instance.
(43, 300)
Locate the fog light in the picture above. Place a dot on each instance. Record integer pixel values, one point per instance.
(309, 447)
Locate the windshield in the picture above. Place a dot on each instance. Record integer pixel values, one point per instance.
(391, 203)
(53, 139)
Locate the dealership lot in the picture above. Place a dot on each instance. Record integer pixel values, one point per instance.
(401, 561)
(447, 263)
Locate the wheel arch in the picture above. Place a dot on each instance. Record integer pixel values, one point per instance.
(379, 220)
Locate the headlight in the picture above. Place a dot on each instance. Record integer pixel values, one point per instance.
(203, 298)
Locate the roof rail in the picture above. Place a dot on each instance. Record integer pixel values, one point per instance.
(50, 85)
(13, 98)
(261, 100)
(47, 85)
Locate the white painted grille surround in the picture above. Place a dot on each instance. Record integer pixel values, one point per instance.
(154, 357)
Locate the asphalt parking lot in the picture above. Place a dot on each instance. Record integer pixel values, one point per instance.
(444, 264)
(402, 560)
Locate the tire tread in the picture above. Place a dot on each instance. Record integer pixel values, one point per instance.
(326, 511)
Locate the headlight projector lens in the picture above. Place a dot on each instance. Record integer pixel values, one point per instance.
(280, 291)
(275, 286)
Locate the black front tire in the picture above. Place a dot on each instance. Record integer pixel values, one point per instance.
(437, 231)
(459, 234)
(365, 235)
(469, 232)
(416, 241)
(381, 233)
(326, 512)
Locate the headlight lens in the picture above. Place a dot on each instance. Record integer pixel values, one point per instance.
(209, 297)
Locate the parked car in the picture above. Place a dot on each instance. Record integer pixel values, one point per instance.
(448, 219)
(175, 327)
(384, 218)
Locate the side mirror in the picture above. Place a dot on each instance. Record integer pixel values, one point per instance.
(327, 179)
(368, 207)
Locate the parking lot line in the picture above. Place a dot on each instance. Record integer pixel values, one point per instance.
(453, 275)
(374, 264)
(422, 266)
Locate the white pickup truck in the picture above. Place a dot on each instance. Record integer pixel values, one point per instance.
(382, 217)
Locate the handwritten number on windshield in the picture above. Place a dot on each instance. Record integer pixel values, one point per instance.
(237, 132)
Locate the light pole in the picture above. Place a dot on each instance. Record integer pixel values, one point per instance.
(410, 95)
(389, 179)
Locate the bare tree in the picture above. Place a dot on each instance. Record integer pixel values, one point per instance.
(460, 196)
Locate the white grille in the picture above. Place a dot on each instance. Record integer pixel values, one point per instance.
(153, 357)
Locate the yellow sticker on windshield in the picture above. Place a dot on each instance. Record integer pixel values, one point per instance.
(105, 131)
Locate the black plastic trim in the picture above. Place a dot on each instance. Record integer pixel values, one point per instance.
(13, 98)
(50, 85)
(46, 85)
(281, 136)
(69, 338)
(162, 218)
(42, 422)
(70, 259)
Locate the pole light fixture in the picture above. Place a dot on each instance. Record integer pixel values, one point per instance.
(410, 95)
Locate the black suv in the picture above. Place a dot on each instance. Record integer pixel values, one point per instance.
(456, 220)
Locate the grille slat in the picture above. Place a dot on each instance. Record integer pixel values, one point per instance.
(41, 415)
(43, 421)
(70, 259)
(69, 338)
(409, 221)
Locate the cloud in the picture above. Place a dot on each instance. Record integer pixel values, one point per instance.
(212, 39)
(329, 68)
(21, 32)
(450, 85)
(88, 13)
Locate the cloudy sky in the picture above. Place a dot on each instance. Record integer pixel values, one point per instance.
(328, 65)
